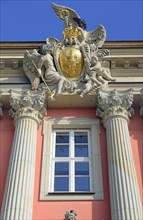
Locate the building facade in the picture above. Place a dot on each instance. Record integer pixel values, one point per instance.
(71, 127)
(108, 150)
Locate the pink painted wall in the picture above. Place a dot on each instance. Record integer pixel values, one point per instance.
(55, 210)
(6, 137)
(136, 136)
(88, 210)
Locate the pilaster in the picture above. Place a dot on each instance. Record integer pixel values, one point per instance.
(27, 109)
(115, 110)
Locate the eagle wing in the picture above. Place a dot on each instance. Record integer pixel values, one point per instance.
(97, 36)
(103, 52)
(62, 12)
(52, 41)
(29, 66)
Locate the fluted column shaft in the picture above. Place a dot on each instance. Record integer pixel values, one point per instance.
(125, 198)
(18, 197)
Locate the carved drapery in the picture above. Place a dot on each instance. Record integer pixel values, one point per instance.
(27, 110)
(115, 110)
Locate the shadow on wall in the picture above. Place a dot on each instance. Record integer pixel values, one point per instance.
(136, 134)
(101, 208)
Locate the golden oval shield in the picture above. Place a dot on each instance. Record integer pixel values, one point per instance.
(71, 62)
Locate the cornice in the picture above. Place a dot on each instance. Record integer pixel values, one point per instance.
(35, 44)
(126, 65)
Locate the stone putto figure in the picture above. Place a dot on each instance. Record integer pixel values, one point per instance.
(73, 64)
(70, 215)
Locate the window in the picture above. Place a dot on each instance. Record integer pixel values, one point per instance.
(70, 161)
(71, 166)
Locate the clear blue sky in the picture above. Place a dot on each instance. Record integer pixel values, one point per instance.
(35, 20)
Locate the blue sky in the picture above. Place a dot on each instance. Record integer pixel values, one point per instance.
(35, 20)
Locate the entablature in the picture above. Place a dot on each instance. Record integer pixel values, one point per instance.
(125, 61)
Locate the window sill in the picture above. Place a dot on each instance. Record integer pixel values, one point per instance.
(53, 196)
(71, 193)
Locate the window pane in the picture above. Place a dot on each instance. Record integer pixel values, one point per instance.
(61, 168)
(62, 151)
(82, 184)
(81, 168)
(61, 184)
(81, 150)
(81, 137)
(62, 137)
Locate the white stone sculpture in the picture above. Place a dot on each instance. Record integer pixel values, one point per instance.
(73, 64)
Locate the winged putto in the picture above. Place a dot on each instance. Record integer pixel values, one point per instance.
(73, 64)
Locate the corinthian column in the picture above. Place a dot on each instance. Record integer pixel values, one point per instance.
(27, 110)
(115, 110)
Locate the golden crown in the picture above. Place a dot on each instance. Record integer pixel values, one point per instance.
(71, 33)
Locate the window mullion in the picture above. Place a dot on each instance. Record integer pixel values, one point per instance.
(52, 162)
(72, 144)
(72, 162)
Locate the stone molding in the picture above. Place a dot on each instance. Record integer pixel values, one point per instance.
(112, 104)
(117, 62)
(141, 110)
(28, 104)
(71, 123)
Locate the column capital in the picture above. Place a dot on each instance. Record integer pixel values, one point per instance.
(113, 104)
(141, 110)
(29, 103)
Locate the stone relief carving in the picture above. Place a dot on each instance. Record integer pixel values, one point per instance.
(70, 215)
(27, 102)
(73, 64)
(114, 103)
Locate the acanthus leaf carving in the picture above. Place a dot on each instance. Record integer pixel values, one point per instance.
(114, 103)
(30, 103)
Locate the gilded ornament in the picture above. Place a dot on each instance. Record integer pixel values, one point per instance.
(63, 13)
(71, 33)
(71, 62)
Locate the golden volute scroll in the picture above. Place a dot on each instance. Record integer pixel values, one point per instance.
(71, 62)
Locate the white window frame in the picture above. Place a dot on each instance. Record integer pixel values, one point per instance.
(96, 192)
(71, 159)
